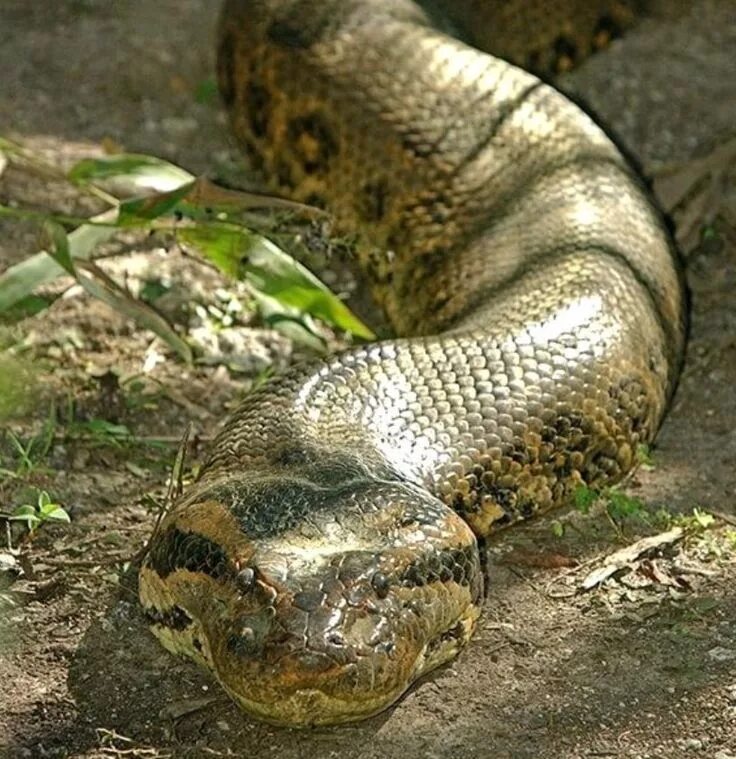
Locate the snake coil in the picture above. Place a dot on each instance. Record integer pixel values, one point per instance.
(328, 554)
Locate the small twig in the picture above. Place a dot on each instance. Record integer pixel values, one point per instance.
(105, 735)
(727, 518)
(176, 484)
(498, 647)
(174, 491)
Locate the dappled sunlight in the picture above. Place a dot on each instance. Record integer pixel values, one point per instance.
(580, 313)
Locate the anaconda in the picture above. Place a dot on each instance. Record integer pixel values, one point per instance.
(330, 551)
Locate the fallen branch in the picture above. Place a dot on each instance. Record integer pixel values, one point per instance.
(627, 556)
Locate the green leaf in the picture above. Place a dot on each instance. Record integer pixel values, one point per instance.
(297, 326)
(224, 245)
(19, 281)
(620, 505)
(26, 307)
(138, 171)
(59, 246)
(215, 200)
(107, 429)
(100, 286)
(27, 514)
(557, 528)
(152, 290)
(583, 498)
(703, 519)
(24, 511)
(273, 273)
(55, 512)
(142, 210)
(44, 499)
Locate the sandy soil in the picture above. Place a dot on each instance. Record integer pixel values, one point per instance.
(644, 666)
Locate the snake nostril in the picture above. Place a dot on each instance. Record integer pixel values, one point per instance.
(245, 579)
(335, 639)
(380, 584)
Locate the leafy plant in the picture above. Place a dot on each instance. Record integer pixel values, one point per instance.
(644, 456)
(557, 528)
(695, 523)
(155, 196)
(35, 515)
(102, 432)
(29, 453)
(584, 497)
(619, 506)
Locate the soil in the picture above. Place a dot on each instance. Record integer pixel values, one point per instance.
(642, 665)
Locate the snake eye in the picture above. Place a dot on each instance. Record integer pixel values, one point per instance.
(380, 584)
(245, 579)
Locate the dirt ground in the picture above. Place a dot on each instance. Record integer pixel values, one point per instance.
(641, 666)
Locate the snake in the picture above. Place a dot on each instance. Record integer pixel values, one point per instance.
(331, 549)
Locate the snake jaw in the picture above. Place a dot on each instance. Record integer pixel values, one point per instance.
(336, 681)
(359, 660)
(448, 644)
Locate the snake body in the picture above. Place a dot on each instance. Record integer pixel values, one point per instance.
(328, 554)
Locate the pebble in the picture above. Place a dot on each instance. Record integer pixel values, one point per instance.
(719, 653)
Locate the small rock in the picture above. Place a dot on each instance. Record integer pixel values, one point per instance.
(10, 569)
(724, 755)
(719, 653)
(690, 744)
(242, 349)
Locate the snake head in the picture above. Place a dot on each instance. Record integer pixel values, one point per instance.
(314, 604)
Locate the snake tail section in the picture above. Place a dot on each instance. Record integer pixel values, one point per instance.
(327, 555)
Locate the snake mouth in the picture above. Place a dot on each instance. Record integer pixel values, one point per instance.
(311, 690)
(351, 662)
(348, 672)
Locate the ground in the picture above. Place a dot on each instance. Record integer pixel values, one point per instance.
(643, 665)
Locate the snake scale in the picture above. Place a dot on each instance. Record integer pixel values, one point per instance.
(330, 551)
